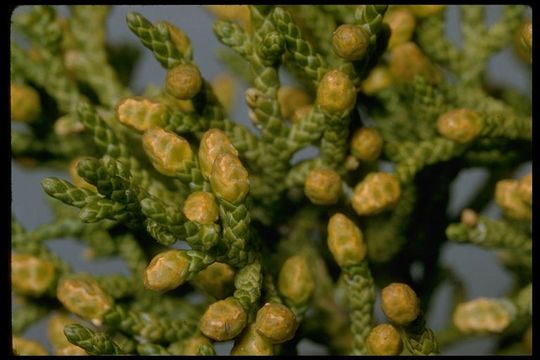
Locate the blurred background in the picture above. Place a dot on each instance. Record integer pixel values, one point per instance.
(479, 268)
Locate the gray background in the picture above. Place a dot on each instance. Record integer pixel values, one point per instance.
(479, 268)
